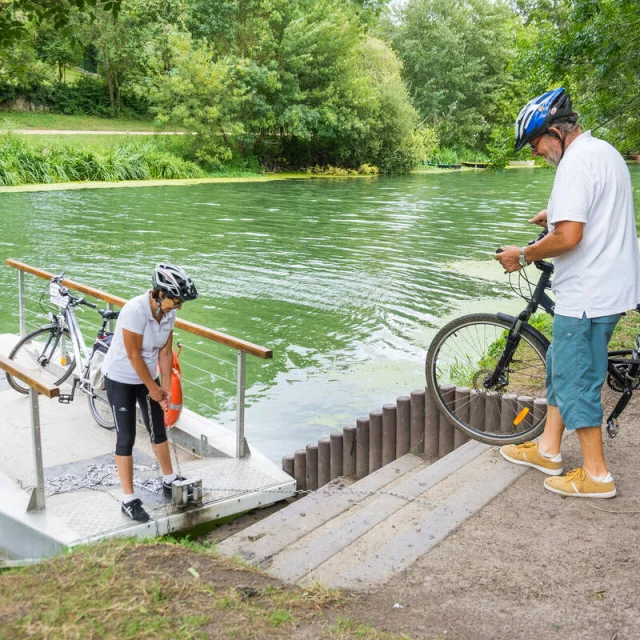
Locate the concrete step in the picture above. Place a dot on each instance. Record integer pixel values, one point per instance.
(370, 539)
(259, 543)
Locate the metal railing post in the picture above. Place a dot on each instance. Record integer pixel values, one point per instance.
(110, 322)
(23, 322)
(36, 502)
(240, 405)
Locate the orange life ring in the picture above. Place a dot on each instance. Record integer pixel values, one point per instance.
(175, 409)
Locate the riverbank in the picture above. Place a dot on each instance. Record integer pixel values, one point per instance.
(62, 186)
(178, 182)
(528, 555)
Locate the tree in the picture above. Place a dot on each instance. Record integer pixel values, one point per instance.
(455, 55)
(593, 48)
(16, 14)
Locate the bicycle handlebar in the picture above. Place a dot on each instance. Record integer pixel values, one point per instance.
(540, 264)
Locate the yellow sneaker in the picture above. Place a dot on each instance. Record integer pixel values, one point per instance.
(528, 454)
(580, 484)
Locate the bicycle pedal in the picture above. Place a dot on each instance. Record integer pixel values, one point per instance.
(65, 398)
(186, 493)
(612, 428)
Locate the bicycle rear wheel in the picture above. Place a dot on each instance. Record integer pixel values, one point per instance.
(101, 409)
(462, 358)
(46, 349)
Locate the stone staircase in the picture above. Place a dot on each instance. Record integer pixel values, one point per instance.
(360, 535)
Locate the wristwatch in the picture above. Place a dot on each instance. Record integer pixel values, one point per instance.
(521, 259)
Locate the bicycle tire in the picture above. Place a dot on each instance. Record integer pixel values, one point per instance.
(526, 377)
(101, 409)
(19, 353)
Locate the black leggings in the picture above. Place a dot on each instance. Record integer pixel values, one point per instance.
(122, 398)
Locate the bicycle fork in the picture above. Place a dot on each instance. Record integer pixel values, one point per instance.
(499, 376)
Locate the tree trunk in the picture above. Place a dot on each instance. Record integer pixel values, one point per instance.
(115, 81)
(107, 75)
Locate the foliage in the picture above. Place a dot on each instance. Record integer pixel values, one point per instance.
(198, 94)
(362, 170)
(453, 67)
(295, 84)
(15, 15)
(299, 84)
(592, 48)
(24, 164)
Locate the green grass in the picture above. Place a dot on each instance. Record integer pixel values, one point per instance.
(22, 163)
(38, 120)
(98, 143)
(142, 590)
(624, 336)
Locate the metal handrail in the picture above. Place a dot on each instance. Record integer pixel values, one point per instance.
(36, 387)
(242, 347)
(191, 327)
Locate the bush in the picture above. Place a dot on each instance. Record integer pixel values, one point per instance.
(21, 164)
(88, 96)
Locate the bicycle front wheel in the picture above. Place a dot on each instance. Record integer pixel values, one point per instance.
(101, 409)
(492, 407)
(47, 349)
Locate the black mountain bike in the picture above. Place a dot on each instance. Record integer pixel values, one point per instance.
(486, 372)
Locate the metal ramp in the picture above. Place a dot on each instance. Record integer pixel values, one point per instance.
(74, 446)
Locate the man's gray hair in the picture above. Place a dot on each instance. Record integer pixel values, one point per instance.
(567, 125)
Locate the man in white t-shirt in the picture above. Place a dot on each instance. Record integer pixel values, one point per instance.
(592, 236)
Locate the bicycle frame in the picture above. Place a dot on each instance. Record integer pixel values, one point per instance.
(80, 351)
(623, 371)
(498, 379)
(82, 354)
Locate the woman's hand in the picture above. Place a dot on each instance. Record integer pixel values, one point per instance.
(540, 219)
(166, 404)
(159, 395)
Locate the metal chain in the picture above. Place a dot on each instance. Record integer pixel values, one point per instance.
(106, 476)
(160, 473)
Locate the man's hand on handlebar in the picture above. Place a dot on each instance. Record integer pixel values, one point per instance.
(508, 257)
(540, 219)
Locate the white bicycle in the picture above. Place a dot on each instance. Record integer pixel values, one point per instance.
(59, 349)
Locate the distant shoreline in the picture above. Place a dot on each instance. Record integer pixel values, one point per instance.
(179, 182)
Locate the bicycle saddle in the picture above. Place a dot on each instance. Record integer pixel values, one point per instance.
(109, 315)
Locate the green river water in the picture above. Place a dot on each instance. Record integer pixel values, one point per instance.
(346, 280)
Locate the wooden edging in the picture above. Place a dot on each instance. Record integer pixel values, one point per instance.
(185, 325)
(412, 424)
(17, 371)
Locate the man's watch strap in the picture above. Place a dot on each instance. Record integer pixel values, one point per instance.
(521, 259)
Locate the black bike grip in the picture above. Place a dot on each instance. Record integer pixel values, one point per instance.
(90, 304)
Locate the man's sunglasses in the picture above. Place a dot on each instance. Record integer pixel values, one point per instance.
(176, 301)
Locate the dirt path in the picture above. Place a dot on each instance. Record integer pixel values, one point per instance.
(531, 564)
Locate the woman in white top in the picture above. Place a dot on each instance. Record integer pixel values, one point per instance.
(141, 345)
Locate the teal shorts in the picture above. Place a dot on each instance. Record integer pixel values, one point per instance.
(577, 368)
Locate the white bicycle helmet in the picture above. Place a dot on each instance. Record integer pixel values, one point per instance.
(174, 282)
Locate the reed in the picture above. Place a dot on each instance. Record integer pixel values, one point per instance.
(24, 164)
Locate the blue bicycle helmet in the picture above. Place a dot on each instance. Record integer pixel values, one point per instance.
(540, 113)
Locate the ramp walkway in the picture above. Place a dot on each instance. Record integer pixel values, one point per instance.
(360, 536)
(83, 493)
